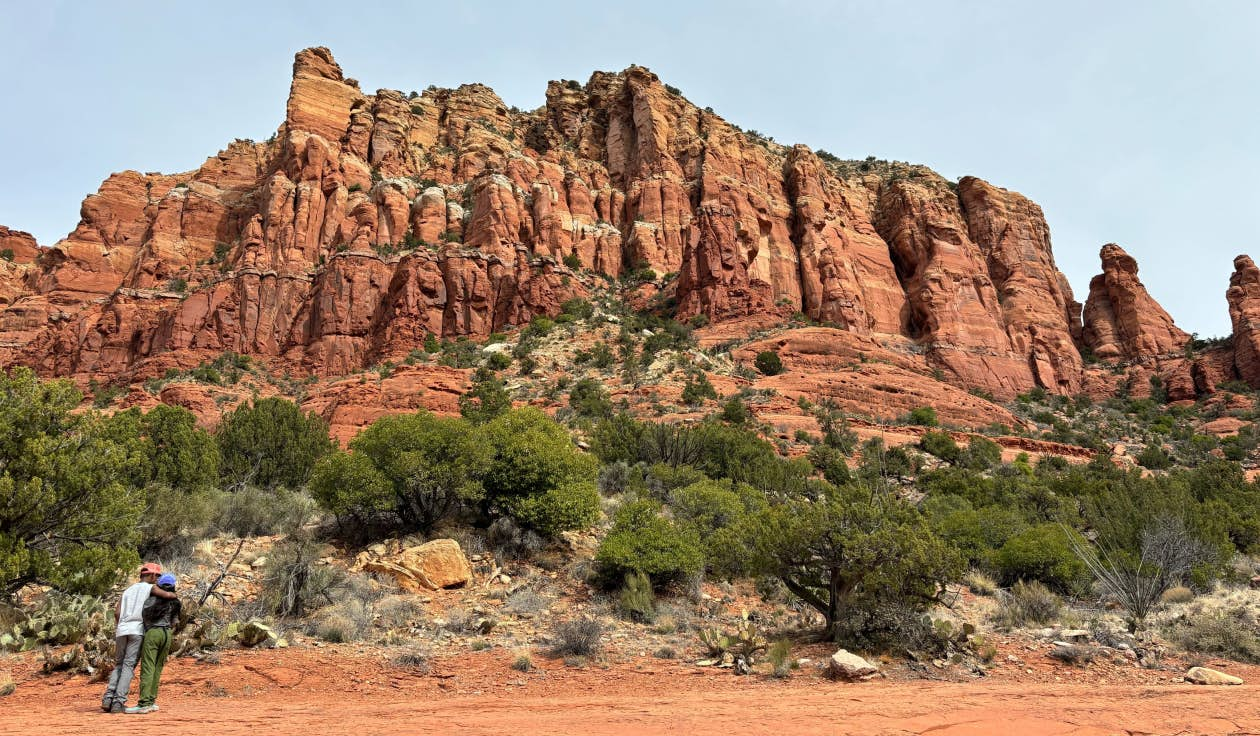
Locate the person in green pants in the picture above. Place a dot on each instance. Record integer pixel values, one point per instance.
(160, 615)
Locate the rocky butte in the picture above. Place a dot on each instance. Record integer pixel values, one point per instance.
(371, 220)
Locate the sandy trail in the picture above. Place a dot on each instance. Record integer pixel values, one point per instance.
(258, 694)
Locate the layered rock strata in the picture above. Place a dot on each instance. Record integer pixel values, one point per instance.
(371, 220)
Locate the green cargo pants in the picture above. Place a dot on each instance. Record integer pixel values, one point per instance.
(157, 644)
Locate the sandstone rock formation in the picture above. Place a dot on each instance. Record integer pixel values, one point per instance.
(1121, 318)
(1244, 313)
(369, 221)
(430, 566)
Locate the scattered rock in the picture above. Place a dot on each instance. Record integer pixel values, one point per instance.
(1205, 676)
(429, 566)
(845, 665)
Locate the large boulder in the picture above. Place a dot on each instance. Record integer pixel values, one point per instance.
(1205, 676)
(846, 665)
(429, 566)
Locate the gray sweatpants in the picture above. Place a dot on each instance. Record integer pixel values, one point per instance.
(126, 652)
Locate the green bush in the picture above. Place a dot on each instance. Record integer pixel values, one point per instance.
(69, 517)
(486, 399)
(1154, 457)
(982, 454)
(769, 363)
(831, 462)
(735, 411)
(432, 465)
(697, 389)
(531, 455)
(271, 443)
(642, 540)
(923, 416)
(570, 505)
(636, 601)
(1041, 553)
(498, 361)
(942, 445)
(589, 399)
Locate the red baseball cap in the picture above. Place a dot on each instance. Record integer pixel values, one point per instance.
(150, 568)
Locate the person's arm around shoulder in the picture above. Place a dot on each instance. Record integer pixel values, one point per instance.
(162, 593)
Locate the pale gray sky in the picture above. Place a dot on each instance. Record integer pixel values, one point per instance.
(1132, 122)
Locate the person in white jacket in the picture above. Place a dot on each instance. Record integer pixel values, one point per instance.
(130, 635)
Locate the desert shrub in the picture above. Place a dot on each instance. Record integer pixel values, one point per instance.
(982, 454)
(432, 467)
(642, 540)
(498, 361)
(589, 399)
(768, 363)
(636, 601)
(69, 516)
(1074, 654)
(573, 261)
(1027, 603)
(292, 580)
(526, 602)
(271, 443)
(924, 416)
(618, 477)
(1154, 457)
(979, 583)
(577, 637)
(486, 399)
(1177, 594)
(578, 308)
(522, 663)
(345, 621)
(57, 620)
(735, 411)
(509, 540)
(253, 511)
(1229, 633)
(1043, 553)
(942, 445)
(697, 389)
(570, 505)
(531, 455)
(779, 655)
(399, 612)
(173, 519)
(416, 659)
(831, 462)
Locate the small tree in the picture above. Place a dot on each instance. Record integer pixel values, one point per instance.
(769, 363)
(486, 399)
(271, 443)
(432, 465)
(69, 515)
(851, 555)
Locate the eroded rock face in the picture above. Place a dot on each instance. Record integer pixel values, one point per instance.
(1244, 312)
(1121, 318)
(372, 220)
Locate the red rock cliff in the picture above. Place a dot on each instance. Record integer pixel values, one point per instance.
(369, 220)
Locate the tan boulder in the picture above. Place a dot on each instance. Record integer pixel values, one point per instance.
(429, 566)
(1205, 676)
(845, 665)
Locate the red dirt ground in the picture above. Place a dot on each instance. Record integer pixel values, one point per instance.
(343, 691)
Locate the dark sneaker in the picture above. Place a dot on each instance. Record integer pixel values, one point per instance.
(117, 708)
